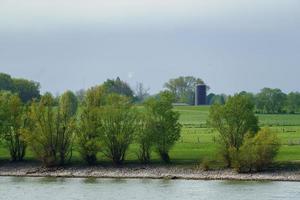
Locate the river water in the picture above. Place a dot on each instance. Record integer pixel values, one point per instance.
(16, 188)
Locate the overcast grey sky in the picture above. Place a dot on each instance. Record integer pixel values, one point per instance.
(233, 45)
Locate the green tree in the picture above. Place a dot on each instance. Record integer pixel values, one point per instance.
(141, 93)
(145, 137)
(12, 122)
(27, 90)
(233, 121)
(89, 130)
(119, 124)
(118, 86)
(68, 104)
(6, 82)
(183, 88)
(270, 101)
(51, 133)
(293, 102)
(165, 125)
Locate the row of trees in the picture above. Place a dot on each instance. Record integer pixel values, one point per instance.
(107, 122)
(242, 144)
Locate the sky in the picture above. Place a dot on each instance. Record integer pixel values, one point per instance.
(233, 45)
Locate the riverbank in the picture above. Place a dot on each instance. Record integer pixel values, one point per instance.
(139, 171)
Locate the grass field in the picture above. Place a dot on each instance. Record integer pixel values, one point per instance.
(197, 140)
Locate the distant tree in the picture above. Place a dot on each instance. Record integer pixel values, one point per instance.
(118, 86)
(89, 130)
(68, 104)
(233, 121)
(183, 88)
(6, 82)
(12, 122)
(119, 124)
(141, 93)
(217, 99)
(26, 89)
(165, 123)
(293, 102)
(270, 101)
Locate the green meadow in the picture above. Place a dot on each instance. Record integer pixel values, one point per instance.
(197, 141)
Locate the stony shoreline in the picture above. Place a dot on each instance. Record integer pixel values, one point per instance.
(140, 171)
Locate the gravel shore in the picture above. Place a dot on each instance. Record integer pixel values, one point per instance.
(152, 172)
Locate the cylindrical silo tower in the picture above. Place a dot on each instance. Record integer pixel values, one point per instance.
(200, 95)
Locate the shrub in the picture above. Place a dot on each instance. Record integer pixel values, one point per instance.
(258, 152)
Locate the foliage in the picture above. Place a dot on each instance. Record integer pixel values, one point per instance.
(293, 102)
(258, 152)
(118, 124)
(183, 88)
(51, 133)
(145, 137)
(233, 121)
(13, 120)
(118, 86)
(216, 99)
(165, 126)
(68, 104)
(27, 90)
(270, 101)
(89, 130)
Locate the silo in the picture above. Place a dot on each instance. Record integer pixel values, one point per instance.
(200, 95)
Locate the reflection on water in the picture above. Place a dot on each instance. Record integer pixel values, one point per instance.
(18, 188)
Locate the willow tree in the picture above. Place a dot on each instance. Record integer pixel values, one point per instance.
(233, 121)
(89, 129)
(52, 131)
(165, 125)
(13, 120)
(118, 124)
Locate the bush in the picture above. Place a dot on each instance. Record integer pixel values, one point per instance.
(258, 152)
(119, 123)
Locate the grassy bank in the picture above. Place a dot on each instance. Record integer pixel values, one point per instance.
(197, 141)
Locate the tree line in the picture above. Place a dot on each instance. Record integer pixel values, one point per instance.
(106, 122)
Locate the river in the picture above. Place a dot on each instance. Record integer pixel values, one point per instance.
(18, 188)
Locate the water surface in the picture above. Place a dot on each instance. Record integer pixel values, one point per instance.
(13, 188)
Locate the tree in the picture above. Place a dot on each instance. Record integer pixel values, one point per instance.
(52, 131)
(183, 88)
(293, 102)
(270, 100)
(89, 130)
(27, 90)
(165, 125)
(6, 82)
(118, 124)
(12, 122)
(141, 93)
(67, 115)
(233, 121)
(216, 99)
(118, 86)
(145, 137)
